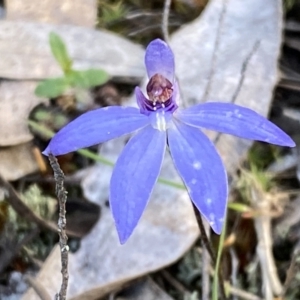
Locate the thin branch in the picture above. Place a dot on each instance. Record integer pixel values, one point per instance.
(165, 20)
(215, 50)
(25, 212)
(174, 282)
(242, 294)
(205, 267)
(242, 75)
(271, 283)
(234, 269)
(243, 71)
(11, 251)
(204, 237)
(205, 240)
(292, 270)
(62, 222)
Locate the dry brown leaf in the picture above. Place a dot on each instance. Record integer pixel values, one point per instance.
(146, 289)
(17, 100)
(17, 161)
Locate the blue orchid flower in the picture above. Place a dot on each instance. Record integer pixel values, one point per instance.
(159, 122)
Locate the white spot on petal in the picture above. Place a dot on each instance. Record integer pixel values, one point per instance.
(208, 201)
(211, 219)
(229, 114)
(197, 165)
(237, 113)
(194, 181)
(105, 108)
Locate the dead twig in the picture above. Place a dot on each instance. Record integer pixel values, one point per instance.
(234, 271)
(165, 20)
(215, 50)
(62, 222)
(205, 240)
(242, 294)
(292, 270)
(174, 282)
(243, 71)
(271, 283)
(11, 251)
(25, 212)
(205, 266)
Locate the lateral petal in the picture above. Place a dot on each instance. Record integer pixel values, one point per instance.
(159, 59)
(142, 101)
(236, 120)
(134, 177)
(95, 127)
(201, 170)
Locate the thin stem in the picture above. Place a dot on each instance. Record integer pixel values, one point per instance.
(206, 264)
(292, 270)
(218, 275)
(216, 49)
(262, 202)
(62, 223)
(165, 20)
(210, 250)
(204, 236)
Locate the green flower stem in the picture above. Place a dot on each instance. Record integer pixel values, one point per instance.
(215, 285)
(94, 156)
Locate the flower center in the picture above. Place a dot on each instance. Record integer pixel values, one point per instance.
(161, 120)
(159, 89)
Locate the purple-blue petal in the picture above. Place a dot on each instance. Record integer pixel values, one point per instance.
(201, 170)
(95, 127)
(159, 59)
(141, 101)
(134, 177)
(236, 120)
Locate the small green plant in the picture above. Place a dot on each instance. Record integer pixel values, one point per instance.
(288, 4)
(54, 87)
(110, 12)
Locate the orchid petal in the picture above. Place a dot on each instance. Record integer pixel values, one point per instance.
(95, 127)
(236, 120)
(201, 170)
(134, 177)
(159, 59)
(141, 101)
